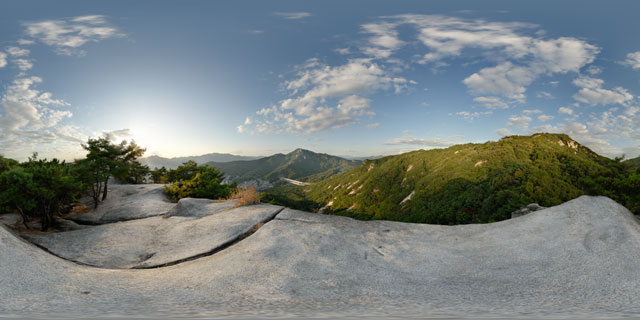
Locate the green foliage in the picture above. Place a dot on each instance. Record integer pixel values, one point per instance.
(476, 183)
(137, 173)
(159, 175)
(191, 180)
(104, 160)
(186, 171)
(39, 189)
(7, 164)
(290, 196)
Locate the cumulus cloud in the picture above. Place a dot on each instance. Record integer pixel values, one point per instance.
(29, 116)
(593, 70)
(342, 50)
(3, 59)
(323, 97)
(522, 57)
(118, 135)
(633, 60)
(25, 42)
(565, 110)
(521, 122)
(17, 52)
(23, 64)
(492, 102)
(592, 93)
(531, 111)
(293, 15)
(66, 36)
(503, 132)
(544, 118)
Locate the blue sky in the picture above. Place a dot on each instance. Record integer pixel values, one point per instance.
(341, 77)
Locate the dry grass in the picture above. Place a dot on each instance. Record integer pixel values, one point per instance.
(246, 197)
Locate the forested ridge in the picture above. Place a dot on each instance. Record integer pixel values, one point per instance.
(474, 183)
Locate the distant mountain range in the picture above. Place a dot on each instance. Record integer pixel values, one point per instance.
(300, 164)
(172, 163)
(473, 183)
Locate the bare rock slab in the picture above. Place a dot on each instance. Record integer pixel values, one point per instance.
(156, 241)
(581, 257)
(128, 202)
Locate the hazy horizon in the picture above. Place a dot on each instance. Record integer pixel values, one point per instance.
(357, 78)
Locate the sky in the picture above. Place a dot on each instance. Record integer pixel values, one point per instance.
(350, 78)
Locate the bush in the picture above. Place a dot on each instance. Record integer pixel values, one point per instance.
(245, 197)
(39, 189)
(198, 182)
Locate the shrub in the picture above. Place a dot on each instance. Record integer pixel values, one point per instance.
(245, 197)
(39, 189)
(201, 182)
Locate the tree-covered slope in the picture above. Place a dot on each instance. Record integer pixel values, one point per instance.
(634, 163)
(300, 164)
(474, 183)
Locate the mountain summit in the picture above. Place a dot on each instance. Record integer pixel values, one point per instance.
(300, 164)
(469, 183)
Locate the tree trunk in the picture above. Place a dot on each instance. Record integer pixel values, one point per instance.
(24, 218)
(97, 188)
(46, 219)
(104, 195)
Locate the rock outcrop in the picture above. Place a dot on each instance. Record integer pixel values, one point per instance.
(581, 256)
(128, 202)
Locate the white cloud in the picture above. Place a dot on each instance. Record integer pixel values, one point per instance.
(342, 50)
(544, 95)
(373, 125)
(3, 59)
(492, 102)
(503, 132)
(593, 70)
(529, 111)
(25, 42)
(521, 122)
(293, 15)
(544, 118)
(256, 31)
(470, 116)
(240, 128)
(118, 135)
(325, 97)
(430, 142)
(633, 60)
(565, 110)
(17, 52)
(28, 117)
(68, 35)
(23, 64)
(592, 93)
(522, 57)
(384, 40)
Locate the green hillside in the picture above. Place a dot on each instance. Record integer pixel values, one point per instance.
(634, 164)
(299, 164)
(475, 183)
